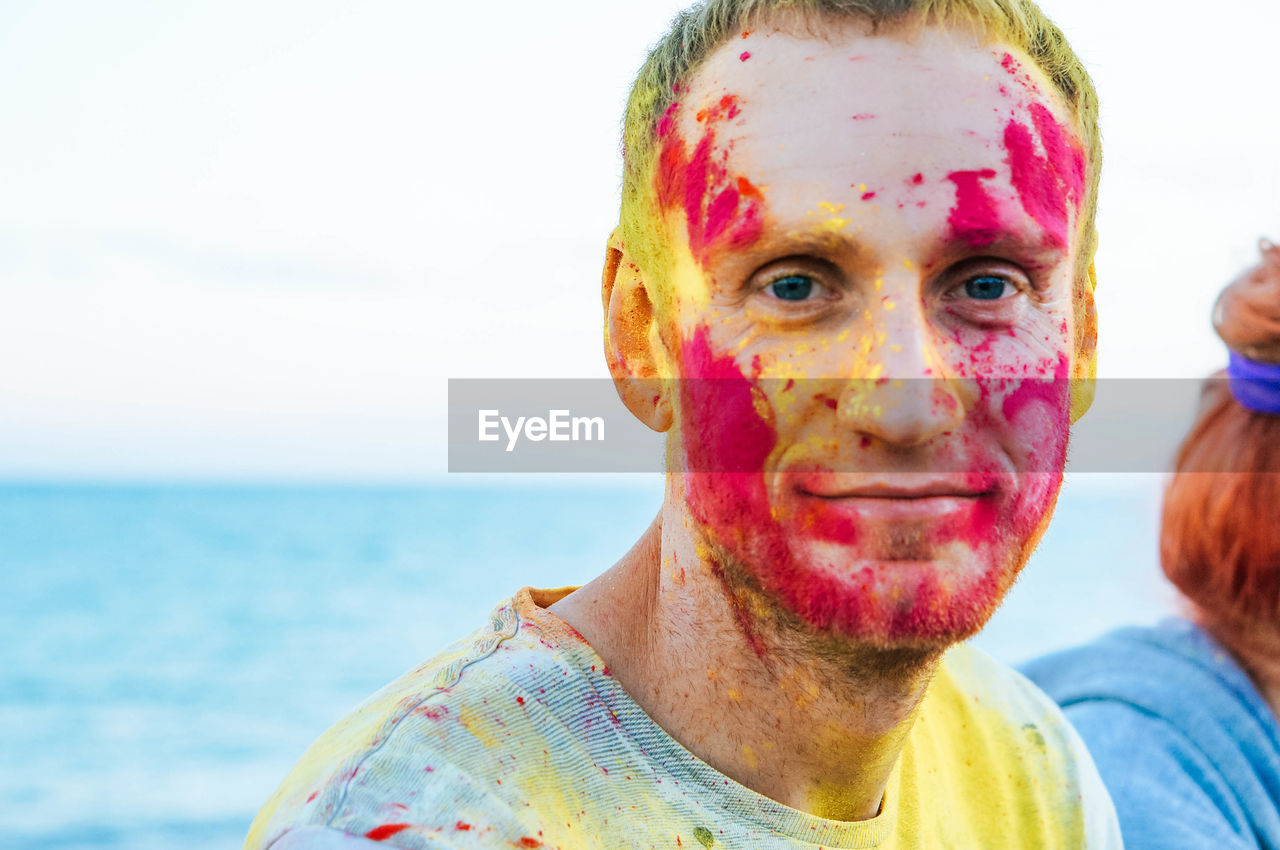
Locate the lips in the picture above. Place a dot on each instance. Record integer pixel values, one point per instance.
(845, 508)
(903, 486)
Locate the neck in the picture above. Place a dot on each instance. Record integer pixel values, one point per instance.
(811, 722)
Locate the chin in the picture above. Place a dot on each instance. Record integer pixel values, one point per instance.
(924, 603)
(893, 590)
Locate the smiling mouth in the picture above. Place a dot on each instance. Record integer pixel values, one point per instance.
(896, 501)
(899, 491)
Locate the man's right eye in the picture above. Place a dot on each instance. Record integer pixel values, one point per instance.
(793, 287)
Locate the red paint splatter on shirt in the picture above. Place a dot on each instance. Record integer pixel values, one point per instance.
(461, 826)
(382, 833)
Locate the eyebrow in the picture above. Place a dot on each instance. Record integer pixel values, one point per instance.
(1024, 242)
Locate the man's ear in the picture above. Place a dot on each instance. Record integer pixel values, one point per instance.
(1084, 371)
(632, 345)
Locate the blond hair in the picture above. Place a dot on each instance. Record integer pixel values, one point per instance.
(699, 31)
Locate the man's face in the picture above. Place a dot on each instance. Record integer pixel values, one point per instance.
(872, 244)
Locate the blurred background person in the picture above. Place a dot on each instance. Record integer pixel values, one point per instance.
(1182, 717)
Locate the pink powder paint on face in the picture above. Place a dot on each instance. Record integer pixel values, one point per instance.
(727, 445)
(744, 56)
(726, 108)
(1066, 157)
(974, 219)
(917, 179)
(1053, 392)
(1045, 184)
(866, 196)
(863, 116)
(718, 210)
(720, 403)
(667, 122)
(720, 214)
(695, 192)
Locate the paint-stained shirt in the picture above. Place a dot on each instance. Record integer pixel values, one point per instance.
(519, 737)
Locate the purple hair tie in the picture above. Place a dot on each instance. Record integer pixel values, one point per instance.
(1256, 385)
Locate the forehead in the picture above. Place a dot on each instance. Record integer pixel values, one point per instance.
(854, 118)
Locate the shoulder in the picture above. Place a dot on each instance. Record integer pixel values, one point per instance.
(426, 745)
(1140, 679)
(1016, 740)
(1134, 660)
(1186, 745)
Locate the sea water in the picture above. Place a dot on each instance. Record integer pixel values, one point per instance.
(167, 652)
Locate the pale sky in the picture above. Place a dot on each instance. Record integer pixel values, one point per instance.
(254, 239)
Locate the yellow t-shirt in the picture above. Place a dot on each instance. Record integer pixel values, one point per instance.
(519, 737)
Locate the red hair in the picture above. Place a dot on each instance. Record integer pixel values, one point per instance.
(1220, 535)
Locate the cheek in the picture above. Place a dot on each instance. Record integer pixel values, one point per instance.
(726, 443)
(721, 422)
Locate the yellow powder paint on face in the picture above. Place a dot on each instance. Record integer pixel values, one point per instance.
(734, 694)
(833, 223)
(749, 756)
(907, 264)
(879, 284)
(807, 698)
(889, 305)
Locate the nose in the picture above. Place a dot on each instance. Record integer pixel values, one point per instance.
(901, 394)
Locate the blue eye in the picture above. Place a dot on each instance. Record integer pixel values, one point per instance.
(985, 287)
(793, 287)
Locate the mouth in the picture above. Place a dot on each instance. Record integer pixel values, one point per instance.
(912, 498)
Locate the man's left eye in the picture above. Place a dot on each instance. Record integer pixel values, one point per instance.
(986, 287)
(794, 287)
